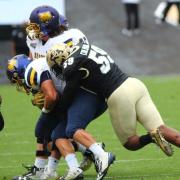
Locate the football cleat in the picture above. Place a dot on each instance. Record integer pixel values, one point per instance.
(161, 142)
(102, 164)
(88, 158)
(33, 173)
(87, 161)
(76, 174)
(49, 174)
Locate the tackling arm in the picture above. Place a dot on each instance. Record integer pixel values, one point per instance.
(51, 95)
(70, 90)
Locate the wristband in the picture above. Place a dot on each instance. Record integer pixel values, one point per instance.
(44, 110)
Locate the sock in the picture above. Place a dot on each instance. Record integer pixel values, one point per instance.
(81, 148)
(145, 139)
(40, 163)
(52, 164)
(72, 161)
(96, 149)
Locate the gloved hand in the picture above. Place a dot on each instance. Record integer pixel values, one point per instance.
(38, 100)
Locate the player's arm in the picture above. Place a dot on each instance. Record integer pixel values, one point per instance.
(1, 116)
(72, 85)
(30, 55)
(49, 91)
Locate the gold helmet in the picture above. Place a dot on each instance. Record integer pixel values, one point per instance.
(57, 54)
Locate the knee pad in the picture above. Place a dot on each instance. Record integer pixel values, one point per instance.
(43, 153)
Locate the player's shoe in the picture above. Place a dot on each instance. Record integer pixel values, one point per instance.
(33, 173)
(102, 164)
(76, 174)
(49, 174)
(88, 158)
(161, 142)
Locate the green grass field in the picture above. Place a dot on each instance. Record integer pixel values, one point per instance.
(17, 142)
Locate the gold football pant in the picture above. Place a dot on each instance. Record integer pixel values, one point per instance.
(130, 103)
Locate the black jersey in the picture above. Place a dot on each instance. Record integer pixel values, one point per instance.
(95, 69)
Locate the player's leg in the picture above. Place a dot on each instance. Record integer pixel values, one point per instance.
(80, 114)
(67, 150)
(150, 118)
(122, 108)
(170, 134)
(43, 130)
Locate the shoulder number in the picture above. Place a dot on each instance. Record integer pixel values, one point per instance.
(68, 62)
(104, 59)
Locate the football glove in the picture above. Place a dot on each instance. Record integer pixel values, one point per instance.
(38, 100)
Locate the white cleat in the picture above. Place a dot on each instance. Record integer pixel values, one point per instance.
(33, 173)
(102, 164)
(49, 174)
(76, 174)
(88, 158)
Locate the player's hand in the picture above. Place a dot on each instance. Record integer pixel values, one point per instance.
(38, 100)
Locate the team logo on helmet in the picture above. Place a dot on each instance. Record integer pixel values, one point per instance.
(55, 54)
(45, 17)
(11, 65)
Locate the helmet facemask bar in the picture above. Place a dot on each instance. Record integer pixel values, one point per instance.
(20, 84)
(33, 29)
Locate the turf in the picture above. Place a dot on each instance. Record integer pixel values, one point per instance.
(17, 142)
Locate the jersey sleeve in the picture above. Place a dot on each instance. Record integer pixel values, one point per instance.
(35, 78)
(70, 68)
(31, 78)
(79, 37)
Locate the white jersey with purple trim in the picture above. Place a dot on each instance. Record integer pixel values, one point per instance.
(71, 37)
(33, 75)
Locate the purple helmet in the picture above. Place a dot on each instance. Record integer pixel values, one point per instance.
(47, 18)
(64, 24)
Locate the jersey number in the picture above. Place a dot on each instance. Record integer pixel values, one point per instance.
(102, 59)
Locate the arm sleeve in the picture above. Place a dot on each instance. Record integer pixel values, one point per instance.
(45, 76)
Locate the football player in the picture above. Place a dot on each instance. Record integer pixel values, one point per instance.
(47, 27)
(35, 76)
(127, 98)
(1, 116)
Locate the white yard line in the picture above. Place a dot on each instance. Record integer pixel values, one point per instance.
(64, 164)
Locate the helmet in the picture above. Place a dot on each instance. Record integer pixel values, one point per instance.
(56, 55)
(64, 24)
(15, 71)
(44, 20)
